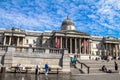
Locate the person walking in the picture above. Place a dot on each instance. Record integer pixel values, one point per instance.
(116, 66)
(37, 69)
(46, 69)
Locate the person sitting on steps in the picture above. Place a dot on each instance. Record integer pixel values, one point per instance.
(104, 68)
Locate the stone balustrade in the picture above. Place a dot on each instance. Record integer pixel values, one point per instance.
(12, 55)
(39, 50)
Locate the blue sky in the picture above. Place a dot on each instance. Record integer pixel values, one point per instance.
(96, 17)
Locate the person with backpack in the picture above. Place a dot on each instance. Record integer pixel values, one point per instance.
(46, 69)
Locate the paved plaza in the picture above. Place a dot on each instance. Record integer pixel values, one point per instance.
(111, 76)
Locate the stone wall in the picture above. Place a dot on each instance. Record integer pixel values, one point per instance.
(31, 59)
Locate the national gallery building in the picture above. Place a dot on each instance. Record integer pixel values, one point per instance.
(76, 42)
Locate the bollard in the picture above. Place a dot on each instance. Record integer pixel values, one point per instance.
(3, 69)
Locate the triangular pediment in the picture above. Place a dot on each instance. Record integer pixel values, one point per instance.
(71, 32)
(75, 32)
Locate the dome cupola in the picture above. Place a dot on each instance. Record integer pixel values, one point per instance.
(68, 24)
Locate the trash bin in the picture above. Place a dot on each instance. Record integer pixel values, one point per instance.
(3, 69)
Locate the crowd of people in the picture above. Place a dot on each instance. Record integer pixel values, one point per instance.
(38, 68)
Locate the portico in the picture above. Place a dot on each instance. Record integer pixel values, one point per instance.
(13, 38)
(111, 46)
(76, 42)
(68, 37)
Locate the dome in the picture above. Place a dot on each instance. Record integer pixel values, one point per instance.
(68, 24)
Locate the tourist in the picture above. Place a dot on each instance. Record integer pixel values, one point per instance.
(104, 68)
(116, 66)
(46, 69)
(19, 67)
(37, 70)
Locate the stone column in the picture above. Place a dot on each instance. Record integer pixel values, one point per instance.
(66, 43)
(87, 46)
(110, 49)
(80, 46)
(116, 50)
(9, 40)
(61, 42)
(75, 46)
(70, 45)
(113, 47)
(88, 52)
(84, 46)
(23, 41)
(105, 48)
(4, 41)
(18, 41)
(55, 42)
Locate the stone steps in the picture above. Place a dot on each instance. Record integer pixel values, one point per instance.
(100, 65)
(95, 66)
(100, 61)
(96, 70)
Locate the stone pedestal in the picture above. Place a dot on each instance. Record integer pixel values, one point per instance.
(8, 57)
(66, 62)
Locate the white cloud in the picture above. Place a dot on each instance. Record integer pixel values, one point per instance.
(106, 9)
(92, 16)
(19, 19)
(88, 15)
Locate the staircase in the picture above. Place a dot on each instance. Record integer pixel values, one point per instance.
(95, 66)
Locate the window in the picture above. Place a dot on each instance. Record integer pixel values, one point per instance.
(34, 41)
(27, 41)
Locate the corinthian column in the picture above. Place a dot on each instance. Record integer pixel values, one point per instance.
(4, 41)
(75, 45)
(18, 41)
(61, 42)
(66, 42)
(84, 46)
(80, 45)
(23, 41)
(9, 40)
(116, 50)
(70, 45)
(55, 42)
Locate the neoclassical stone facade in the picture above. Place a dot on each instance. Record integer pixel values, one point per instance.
(76, 42)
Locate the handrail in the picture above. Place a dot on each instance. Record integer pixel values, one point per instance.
(3, 48)
(83, 64)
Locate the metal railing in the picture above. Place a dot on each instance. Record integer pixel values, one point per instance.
(84, 65)
(3, 48)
